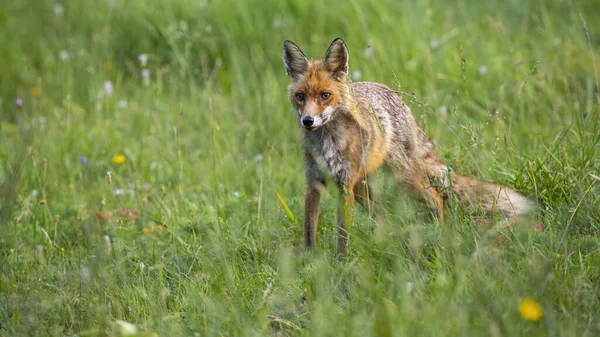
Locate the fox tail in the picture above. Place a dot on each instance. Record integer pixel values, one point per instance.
(490, 197)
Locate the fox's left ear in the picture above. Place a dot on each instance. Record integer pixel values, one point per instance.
(336, 58)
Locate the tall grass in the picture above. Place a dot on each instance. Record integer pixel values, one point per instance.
(188, 236)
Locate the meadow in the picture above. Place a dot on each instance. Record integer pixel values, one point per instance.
(151, 174)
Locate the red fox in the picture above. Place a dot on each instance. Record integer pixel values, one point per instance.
(356, 128)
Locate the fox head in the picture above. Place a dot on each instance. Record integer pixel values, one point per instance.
(318, 87)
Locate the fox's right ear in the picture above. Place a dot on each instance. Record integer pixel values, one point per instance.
(295, 61)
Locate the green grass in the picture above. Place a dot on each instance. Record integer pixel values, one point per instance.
(211, 141)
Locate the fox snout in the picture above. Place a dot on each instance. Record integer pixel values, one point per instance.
(312, 120)
(307, 121)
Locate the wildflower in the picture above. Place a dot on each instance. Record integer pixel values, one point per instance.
(64, 55)
(258, 157)
(59, 9)
(118, 159)
(122, 104)
(107, 244)
(434, 44)
(108, 88)
(356, 75)
(143, 59)
(146, 76)
(443, 111)
(481, 222)
(56, 218)
(236, 194)
(559, 256)
(129, 213)
(482, 69)
(85, 273)
(103, 216)
(19, 103)
(368, 52)
(12, 250)
(82, 160)
(145, 230)
(34, 193)
(36, 91)
(119, 191)
(538, 227)
(43, 202)
(530, 310)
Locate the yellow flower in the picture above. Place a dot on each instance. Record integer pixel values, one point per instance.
(530, 309)
(560, 256)
(12, 250)
(118, 159)
(36, 91)
(145, 230)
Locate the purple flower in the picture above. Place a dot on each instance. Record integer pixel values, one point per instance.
(19, 103)
(83, 160)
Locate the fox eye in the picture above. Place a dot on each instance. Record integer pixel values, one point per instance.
(325, 95)
(300, 97)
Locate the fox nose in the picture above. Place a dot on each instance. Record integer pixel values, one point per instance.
(307, 121)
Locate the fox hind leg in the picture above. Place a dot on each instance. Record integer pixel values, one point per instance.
(364, 196)
(422, 189)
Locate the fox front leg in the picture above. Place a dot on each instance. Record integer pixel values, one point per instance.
(344, 218)
(315, 182)
(346, 182)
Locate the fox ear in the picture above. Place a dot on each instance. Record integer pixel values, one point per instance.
(336, 58)
(293, 58)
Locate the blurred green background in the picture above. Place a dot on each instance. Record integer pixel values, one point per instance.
(185, 104)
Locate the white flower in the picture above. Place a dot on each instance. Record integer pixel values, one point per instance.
(108, 88)
(126, 328)
(107, 244)
(34, 193)
(356, 75)
(64, 55)
(85, 273)
(59, 9)
(236, 194)
(434, 44)
(368, 52)
(146, 76)
(443, 111)
(258, 157)
(143, 59)
(142, 266)
(119, 191)
(277, 22)
(122, 104)
(482, 69)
